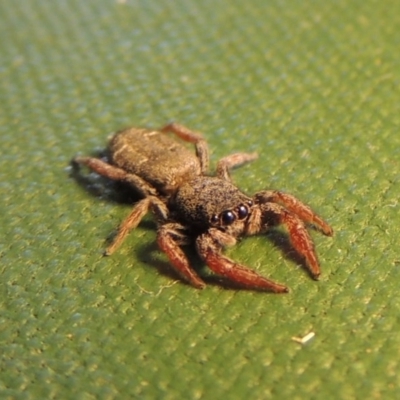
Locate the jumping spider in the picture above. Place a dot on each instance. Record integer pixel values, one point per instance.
(191, 206)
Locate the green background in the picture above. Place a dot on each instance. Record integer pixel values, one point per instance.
(312, 86)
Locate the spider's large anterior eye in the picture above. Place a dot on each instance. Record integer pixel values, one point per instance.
(243, 212)
(227, 217)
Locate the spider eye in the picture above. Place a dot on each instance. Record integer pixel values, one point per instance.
(214, 219)
(243, 212)
(227, 217)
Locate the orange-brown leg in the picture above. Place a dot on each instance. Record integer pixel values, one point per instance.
(273, 214)
(140, 209)
(191, 137)
(239, 274)
(168, 238)
(117, 174)
(131, 221)
(295, 206)
(233, 160)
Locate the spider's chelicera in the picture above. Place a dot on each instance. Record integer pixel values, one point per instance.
(192, 206)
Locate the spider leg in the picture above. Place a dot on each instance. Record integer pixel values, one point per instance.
(169, 237)
(232, 161)
(210, 251)
(133, 219)
(130, 222)
(191, 137)
(292, 204)
(273, 214)
(114, 173)
(140, 209)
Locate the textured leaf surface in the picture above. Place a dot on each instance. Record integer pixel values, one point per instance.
(312, 86)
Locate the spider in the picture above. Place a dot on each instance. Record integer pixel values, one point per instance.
(190, 206)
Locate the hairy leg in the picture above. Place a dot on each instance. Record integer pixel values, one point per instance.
(295, 206)
(191, 137)
(110, 171)
(139, 210)
(169, 237)
(210, 252)
(133, 219)
(273, 214)
(232, 161)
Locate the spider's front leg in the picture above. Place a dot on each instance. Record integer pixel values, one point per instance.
(294, 205)
(268, 215)
(209, 246)
(169, 237)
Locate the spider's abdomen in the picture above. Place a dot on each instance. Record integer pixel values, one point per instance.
(155, 157)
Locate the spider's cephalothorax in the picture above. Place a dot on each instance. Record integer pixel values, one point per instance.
(191, 206)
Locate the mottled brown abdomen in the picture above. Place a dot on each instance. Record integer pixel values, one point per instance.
(155, 157)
